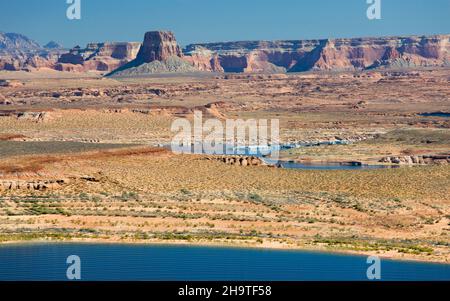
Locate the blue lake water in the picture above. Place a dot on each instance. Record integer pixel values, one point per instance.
(435, 114)
(329, 166)
(185, 263)
(255, 151)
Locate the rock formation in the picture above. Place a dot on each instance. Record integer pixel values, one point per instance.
(204, 60)
(39, 62)
(4, 101)
(158, 46)
(53, 45)
(14, 43)
(40, 185)
(17, 52)
(412, 160)
(329, 54)
(238, 160)
(10, 83)
(98, 57)
(159, 53)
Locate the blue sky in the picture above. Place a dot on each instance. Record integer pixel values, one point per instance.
(224, 20)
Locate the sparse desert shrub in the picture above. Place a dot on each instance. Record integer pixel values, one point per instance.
(255, 197)
(185, 191)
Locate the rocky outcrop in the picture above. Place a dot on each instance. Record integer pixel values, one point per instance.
(14, 43)
(39, 62)
(17, 52)
(40, 185)
(158, 46)
(412, 160)
(173, 64)
(33, 116)
(53, 45)
(159, 53)
(98, 57)
(73, 57)
(119, 51)
(238, 160)
(12, 63)
(204, 60)
(4, 101)
(329, 54)
(10, 83)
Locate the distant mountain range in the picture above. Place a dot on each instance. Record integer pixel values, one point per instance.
(14, 42)
(18, 52)
(160, 53)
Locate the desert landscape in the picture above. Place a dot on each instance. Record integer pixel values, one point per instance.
(84, 135)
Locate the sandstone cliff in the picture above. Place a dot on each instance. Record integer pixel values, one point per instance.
(328, 54)
(159, 53)
(18, 52)
(204, 60)
(158, 46)
(98, 56)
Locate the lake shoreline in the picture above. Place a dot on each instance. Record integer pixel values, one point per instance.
(270, 246)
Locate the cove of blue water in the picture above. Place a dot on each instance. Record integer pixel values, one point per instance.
(331, 166)
(257, 152)
(435, 114)
(187, 263)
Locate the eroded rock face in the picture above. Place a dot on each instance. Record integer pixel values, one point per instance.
(71, 58)
(413, 160)
(20, 53)
(160, 53)
(17, 52)
(38, 62)
(14, 42)
(33, 116)
(119, 51)
(12, 63)
(159, 46)
(239, 160)
(40, 185)
(4, 101)
(204, 60)
(98, 57)
(10, 83)
(329, 54)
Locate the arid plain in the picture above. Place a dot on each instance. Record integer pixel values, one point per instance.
(80, 161)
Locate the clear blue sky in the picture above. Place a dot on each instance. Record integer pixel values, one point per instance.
(220, 20)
